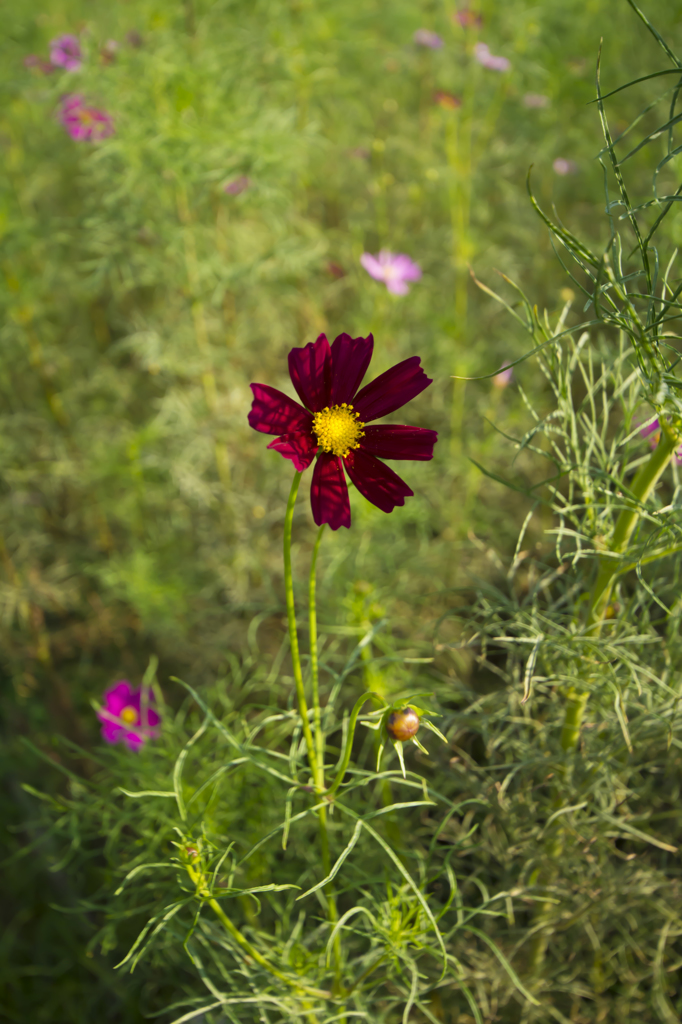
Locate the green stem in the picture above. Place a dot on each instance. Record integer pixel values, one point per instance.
(293, 633)
(345, 760)
(642, 486)
(573, 716)
(315, 759)
(314, 665)
(197, 877)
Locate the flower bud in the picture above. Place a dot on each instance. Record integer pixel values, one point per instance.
(402, 725)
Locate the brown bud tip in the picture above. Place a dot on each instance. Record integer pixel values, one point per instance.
(402, 725)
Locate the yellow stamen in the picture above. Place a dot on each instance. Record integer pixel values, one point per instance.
(338, 429)
(129, 715)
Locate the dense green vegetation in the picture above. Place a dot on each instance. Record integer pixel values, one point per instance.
(140, 517)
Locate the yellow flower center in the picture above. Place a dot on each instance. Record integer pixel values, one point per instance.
(129, 715)
(85, 117)
(338, 429)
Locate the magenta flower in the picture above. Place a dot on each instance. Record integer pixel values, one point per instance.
(124, 718)
(65, 52)
(83, 122)
(394, 269)
(333, 424)
(563, 167)
(488, 60)
(424, 37)
(237, 185)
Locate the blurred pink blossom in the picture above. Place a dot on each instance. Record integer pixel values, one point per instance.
(34, 62)
(65, 52)
(424, 37)
(503, 378)
(394, 269)
(447, 100)
(124, 718)
(564, 167)
(108, 51)
(535, 101)
(488, 60)
(237, 185)
(467, 18)
(83, 122)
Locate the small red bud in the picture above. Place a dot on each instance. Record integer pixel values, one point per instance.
(402, 725)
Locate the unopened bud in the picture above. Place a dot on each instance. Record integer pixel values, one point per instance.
(402, 725)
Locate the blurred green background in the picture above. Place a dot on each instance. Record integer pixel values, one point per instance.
(139, 514)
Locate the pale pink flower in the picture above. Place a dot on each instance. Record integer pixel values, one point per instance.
(564, 167)
(503, 378)
(488, 60)
(237, 185)
(467, 18)
(535, 101)
(83, 122)
(65, 52)
(424, 37)
(394, 269)
(109, 51)
(36, 63)
(447, 100)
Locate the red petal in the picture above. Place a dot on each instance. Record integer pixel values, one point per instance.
(310, 369)
(350, 359)
(399, 443)
(300, 448)
(377, 482)
(388, 392)
(329, 492)
(273, 412)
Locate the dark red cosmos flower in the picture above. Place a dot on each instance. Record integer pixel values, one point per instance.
(333, 424)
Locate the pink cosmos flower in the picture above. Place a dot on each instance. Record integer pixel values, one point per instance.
(488, 60)
(467, 18)
(65, 52)
(108, 51)
(424, 37)
(652, 431)
(33, 61)
(332, 424)
(503, 378)
(83, 122)
(394, 269)
(535, 101)
(123, 717)
(237, 185)
(564, 167)
(447, 100)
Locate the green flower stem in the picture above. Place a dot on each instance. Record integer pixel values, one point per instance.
(314, 746)
(293, 633)
(610, 566)
(645, 480)
(314, 665)
(345, 760)
(199, 880)
(573, 716)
